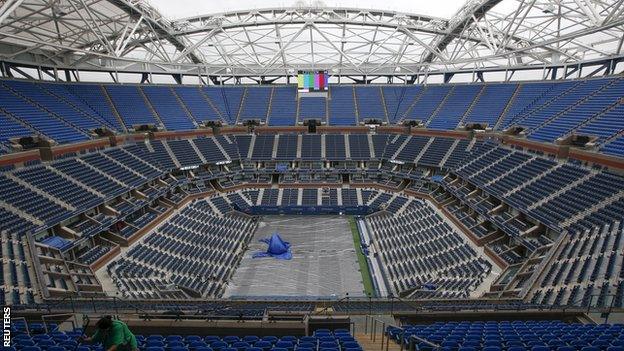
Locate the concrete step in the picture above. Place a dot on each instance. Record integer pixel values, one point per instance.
(449, 152)
(368, 344)
(398, 151)
(171, 154)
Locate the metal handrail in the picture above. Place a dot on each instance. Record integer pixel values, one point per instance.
(386, 338)
(47, 316)
(326, 308)
(414, 337)
(76, 303)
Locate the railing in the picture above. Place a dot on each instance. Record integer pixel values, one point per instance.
(374, 322)
(64, 316)
(111, 304)
(352, 305)
(385, 336)
(588, 309)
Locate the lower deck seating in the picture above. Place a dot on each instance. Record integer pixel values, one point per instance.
(586, 270)
(513, 336)
(195, 250)
(16, 274)
(421, 252)
(56, 340)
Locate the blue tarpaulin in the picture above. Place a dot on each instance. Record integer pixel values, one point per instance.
(57, 242)
(277, 248)
(429, 286)
(437, 178)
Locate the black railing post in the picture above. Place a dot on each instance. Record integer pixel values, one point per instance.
(387, 340)
(374, 329)
(383, 327)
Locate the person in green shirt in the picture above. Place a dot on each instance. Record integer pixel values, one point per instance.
(114, 335)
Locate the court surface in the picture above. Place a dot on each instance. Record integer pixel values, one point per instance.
(324, 262)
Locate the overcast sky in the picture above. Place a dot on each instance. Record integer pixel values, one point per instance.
(174, 9)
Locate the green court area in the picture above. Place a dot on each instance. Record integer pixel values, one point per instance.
(367, 281)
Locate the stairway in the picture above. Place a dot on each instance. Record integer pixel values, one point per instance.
(60, 118)
(449, 152)
(417, 98)
(266, 120)
(297, 111)
(8, 207)
(587, 212)
(76, 108)
(171, 154)
(510, 103)
(188, 112)
(371, 146)
(472, 105)
(508, 171)
(140, 159)
(75, 181)
(220, 147)
(575, 105)
(299, 145)
(151, 108)
(424, 149)
(252, 144)
(368, 344)
(532, 180)
(240, 107)
(275, 145)
(490, 165)
(355, 104)
(113, 108)
(471, 144)
(130, 170)
(567, 187)
(435, 112)
(201, 92)
(528, 111)
(199, 154)
(398, 151)
(383, 104)
(23, 123)
(40, 192)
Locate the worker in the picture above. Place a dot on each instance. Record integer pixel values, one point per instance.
(114, 335)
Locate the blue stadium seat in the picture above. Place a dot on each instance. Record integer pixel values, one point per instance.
(231, 339)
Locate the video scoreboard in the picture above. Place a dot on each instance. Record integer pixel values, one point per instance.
(312, 81)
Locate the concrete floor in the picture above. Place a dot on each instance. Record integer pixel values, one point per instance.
(324, 261)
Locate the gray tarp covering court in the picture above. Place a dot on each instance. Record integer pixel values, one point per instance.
(324, 260)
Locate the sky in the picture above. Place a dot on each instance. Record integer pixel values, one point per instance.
(175, 9)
